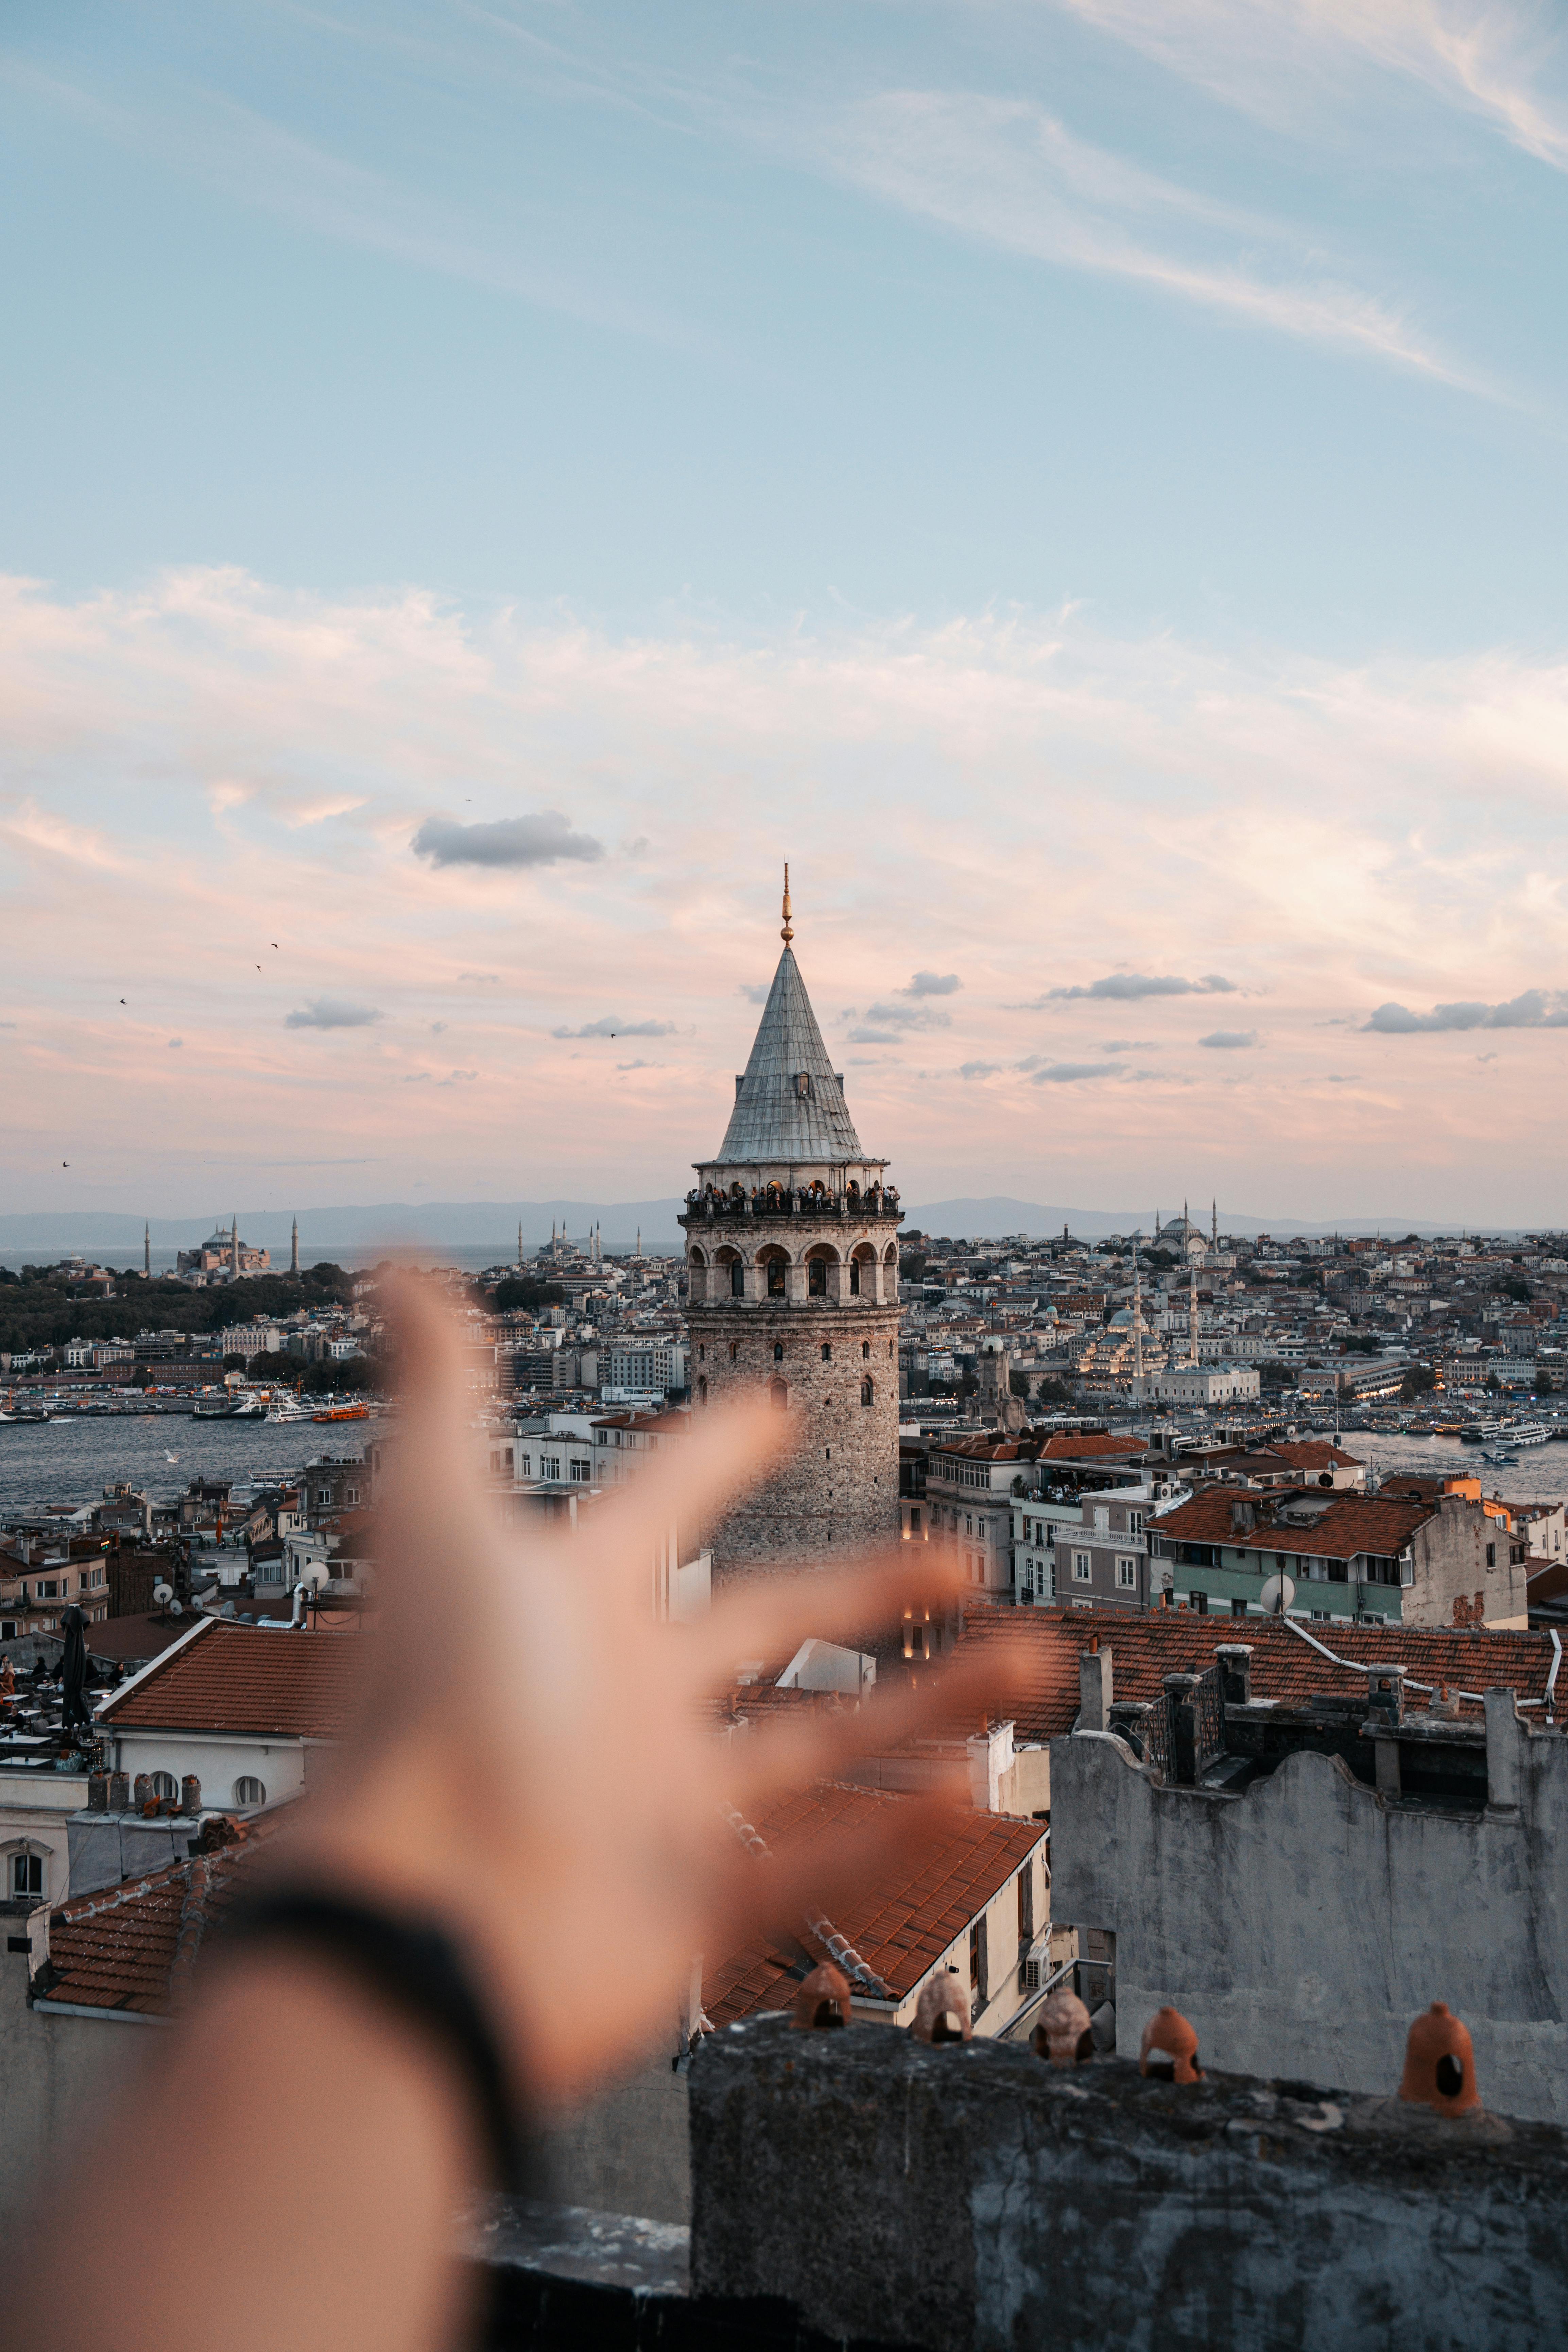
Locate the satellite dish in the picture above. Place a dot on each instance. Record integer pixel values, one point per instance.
(176, 1608)
(1277, 1595)
(163, 1594)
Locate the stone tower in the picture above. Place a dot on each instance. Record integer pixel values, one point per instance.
(793, 1259)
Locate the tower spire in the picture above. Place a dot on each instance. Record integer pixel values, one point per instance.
(294, 1250)
(788, 931)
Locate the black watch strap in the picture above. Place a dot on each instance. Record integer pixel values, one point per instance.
(416, 1969)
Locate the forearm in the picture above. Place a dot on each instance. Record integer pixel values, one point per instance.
(284, 2173)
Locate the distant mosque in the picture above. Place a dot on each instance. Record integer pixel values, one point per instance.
(223, 1255)
(1181, 1233)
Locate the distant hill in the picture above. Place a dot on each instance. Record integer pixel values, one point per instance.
(486, 1225)
(997, 1214)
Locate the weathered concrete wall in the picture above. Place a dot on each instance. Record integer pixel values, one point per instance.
(628, 2151)
(56, 2074)
(971, 2198)
(1303, 1925)
(1449, 1562)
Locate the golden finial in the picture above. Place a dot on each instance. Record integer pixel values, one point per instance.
(787, 933)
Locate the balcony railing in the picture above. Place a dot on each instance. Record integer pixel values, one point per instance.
(877, 1203)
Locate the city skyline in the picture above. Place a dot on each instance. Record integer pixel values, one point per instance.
(1081, 481)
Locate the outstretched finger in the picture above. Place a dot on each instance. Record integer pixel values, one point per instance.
(684, 1485)
(778, 1758)
(916, 1580)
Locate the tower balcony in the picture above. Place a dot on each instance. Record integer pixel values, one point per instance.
(874, 1205)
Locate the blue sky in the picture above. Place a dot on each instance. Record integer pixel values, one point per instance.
(1092, 470)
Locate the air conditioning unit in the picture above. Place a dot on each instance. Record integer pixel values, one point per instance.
(1035, 1968)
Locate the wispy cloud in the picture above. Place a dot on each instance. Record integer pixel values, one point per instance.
(910, 1016)
(331, 1013)
(1006, 172)
(1537, 1008)
(545, 838)
(1065, 1074)
(1484, 56)
(1230, 1040)
(1128, 987)
(932, 983)
(611, 1027)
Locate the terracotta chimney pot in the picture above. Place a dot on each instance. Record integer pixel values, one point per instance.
(822, 2001)
(1173, 2045)
(1064, 2034)
(941, 2013)
(1440, 2064)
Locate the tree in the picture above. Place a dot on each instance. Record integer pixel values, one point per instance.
(519, 1291)
(234, 1361)
(1020, 1383)
(1053, 1393)
(1494, 1386)
(1419, 1381)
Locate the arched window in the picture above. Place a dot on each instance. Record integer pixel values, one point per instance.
(249, 1791)
(737, 1279)
(696, 1256)
(817, 1278)
(778, 1351)
(828, 1351)
(867, 1392)
(854, 1277)
(778, 1395)
(164, 1785)
(702, 1387)
(702, 1355)
(734, 1351)
(775, 1278)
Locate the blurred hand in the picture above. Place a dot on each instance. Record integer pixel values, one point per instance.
(536, 1765)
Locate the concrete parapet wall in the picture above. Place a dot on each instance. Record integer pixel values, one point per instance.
(971, 2198)
(1302, 1926)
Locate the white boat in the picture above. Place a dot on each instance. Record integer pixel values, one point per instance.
(1526, 1433)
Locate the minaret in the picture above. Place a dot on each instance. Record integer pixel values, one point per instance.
(519, 1241)
(294, 1251)
(1192, 1312)
(1214, 1233)
(792, 1264)
(147, 1249)
(1137, 1316)
(234, 1239)
(638, 1251)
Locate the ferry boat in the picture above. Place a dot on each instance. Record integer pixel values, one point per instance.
(240, 1408)
(342, 1412)
(1477, 1432)
(1526, 1433)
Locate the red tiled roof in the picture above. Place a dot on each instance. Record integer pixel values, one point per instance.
(250, 1678)
(1346, 1524)
(1312, 1454)
(1086, 1448)
(1044, 1702)
(132, 1945)
(905, 1919)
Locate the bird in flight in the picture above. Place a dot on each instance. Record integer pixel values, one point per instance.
(122, 1000)
(168, 1456)
(65, 1163)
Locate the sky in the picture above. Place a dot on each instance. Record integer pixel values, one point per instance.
(1081, 480)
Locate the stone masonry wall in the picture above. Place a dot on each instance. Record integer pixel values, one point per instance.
(836, 1495)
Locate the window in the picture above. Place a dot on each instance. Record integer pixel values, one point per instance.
(525, 1465)
(1134, 1523)
(1027, 1906)
(775, 1278)
(778, 1395)
(323, 1499)
(249, 1791)
(915, 1520)
(854, 1277)
(702, 1388)
(978, 1970)
(1491, 1559)
(868, 1392)
(1201, 1604)
(550, 1466)
(350, 1496)
(1126, 1574)
(733, 1351)
(1238, 1609)
(817, 1277)
(164, 1785)
(580, 1472)
(865, 1352)
(737, 1282)
(27, 1877)
(828, 1351)
(1082, 1567)
(778, 1351)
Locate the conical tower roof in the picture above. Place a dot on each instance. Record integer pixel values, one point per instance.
(789, 1106)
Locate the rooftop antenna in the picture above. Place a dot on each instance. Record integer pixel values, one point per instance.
(788, 931)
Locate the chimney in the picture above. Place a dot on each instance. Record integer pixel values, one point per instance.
(1234, 1673)
(1504, 1734)
(1094, 1684)
(118, 1793)
(190, 1795)
(1386, 1693)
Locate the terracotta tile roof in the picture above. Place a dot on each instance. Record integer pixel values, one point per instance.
(1087, 1448)
(1345, 1524)
(132, 1946)
(1311, 1453)
(1285, 1667)
(254, 1678)
(905, 1919)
